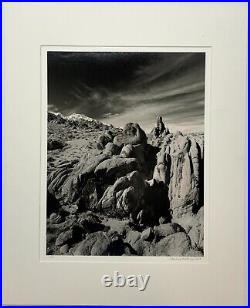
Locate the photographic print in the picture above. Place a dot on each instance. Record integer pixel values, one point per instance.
(125, 153)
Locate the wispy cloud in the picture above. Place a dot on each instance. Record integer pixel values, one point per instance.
(171, 85)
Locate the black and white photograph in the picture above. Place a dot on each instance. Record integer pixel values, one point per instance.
(125, 153)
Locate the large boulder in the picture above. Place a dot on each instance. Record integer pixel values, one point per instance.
(133, 236)
(177, 244)
(111, 149)
(87, 166)
(145, 155)
(187, 221)
(121, 227)
(84, 248)
(127, 151)
(73, 234)
(99, 244)
(139, 245)
(63, 250)
(57, 177)
(147, 234)
(194, 253)
(90, 223)
(167, 229)
(178, 166)
(125, 196)
(132, 134)
(67, 181)
(104, 139)
(115, 167)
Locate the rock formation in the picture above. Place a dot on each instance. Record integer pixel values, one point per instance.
(132, 134)
(119, 192)
(159, 132)
(125, 196)
(179, 164)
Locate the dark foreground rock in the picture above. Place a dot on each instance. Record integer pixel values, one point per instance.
(177, 244)
(99, 244)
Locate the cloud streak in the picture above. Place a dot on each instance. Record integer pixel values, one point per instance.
(130, 87)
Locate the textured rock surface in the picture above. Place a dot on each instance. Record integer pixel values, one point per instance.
(179, 164)
(147, 234)
(159, 132)
(85, 247)
(99, 244)
(115, 167)
(196, 232)
(132, 134)
(117, 192)
(111, 149)
(54, 144)
(121, 227)
(104, 139)
(125, 196)
(177, 244)
(167, 229)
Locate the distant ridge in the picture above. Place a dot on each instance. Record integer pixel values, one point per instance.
(74, 118)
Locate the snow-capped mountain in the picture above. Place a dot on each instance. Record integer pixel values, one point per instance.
(80, 117)
(75, 119)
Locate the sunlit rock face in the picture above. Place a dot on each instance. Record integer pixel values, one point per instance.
(158, 133)
(180, 167)
(120, 192)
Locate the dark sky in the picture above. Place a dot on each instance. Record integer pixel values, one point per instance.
(117, 88)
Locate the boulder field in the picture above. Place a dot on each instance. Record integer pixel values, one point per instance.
(113, 191)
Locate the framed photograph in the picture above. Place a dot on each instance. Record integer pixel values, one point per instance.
(130, 171)
(125, 154)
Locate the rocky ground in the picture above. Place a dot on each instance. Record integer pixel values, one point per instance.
(114, 191)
